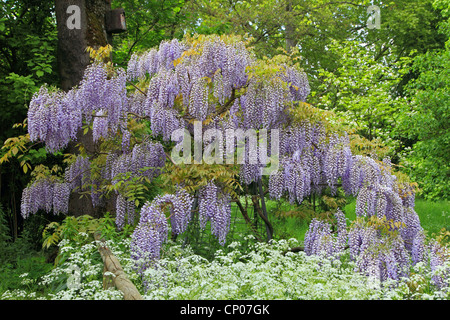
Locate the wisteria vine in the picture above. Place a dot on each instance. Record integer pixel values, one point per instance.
(218, 82)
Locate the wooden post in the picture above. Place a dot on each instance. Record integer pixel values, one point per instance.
(119, 279)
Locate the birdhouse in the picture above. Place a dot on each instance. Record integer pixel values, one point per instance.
(115, 21)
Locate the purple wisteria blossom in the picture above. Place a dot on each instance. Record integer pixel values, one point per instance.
(46, 195)
(214, 206)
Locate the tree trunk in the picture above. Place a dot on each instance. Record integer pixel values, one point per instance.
(269, 228)
(247, 219)
(258, 210)
(72, 42)
(80, 26)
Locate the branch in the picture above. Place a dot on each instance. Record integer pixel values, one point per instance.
(137, 88)
(266, 221)
(138, 116)
(138, 38)
(264, 210)
(170, 158)
(298, 249)
(247, 218)
(78, 175)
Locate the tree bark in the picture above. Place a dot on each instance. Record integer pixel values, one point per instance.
(269, 228)
(72, 43)
(258, 210)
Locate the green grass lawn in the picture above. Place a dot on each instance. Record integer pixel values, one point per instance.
(433, 215)
(286, 226)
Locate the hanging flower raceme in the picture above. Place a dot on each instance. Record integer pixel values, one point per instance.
(378, 246)
(320, 240)
(46, 195)
(181, 211)
(153, 228)
(155, 60)
(125, 212)
(214, 206)
(298, 83)
(146, 159)
(78, 174)
(54, 118)
(149, 235)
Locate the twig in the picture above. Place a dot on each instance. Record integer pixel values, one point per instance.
(137, 88)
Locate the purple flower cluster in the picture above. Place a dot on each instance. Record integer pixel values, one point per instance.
(338, 162)
(125, 212)
(53, 196)
(304, 154)
(154, 60)
(378, 253)
(98, 92)
(100, 126)
(198, 99)
(164, 122)
(149, 235)
(311, 161)
(78, 178)
(61, 195)
(53, 117)
(180, 205)
(78, 174)
(214, 206)
(263, 105)
(298, 83)
(224, 62)
(146, 159)
(190, 77)
(320, 240)
(418, 250)
(47, 195)
(438, 256)
(411, 227)
(207, 76)
(181, 211)
(383, 256)
(152, 230)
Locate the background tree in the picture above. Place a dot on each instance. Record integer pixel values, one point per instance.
(354, 70)
(426, 120)
(148, 23)
(27, 60)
